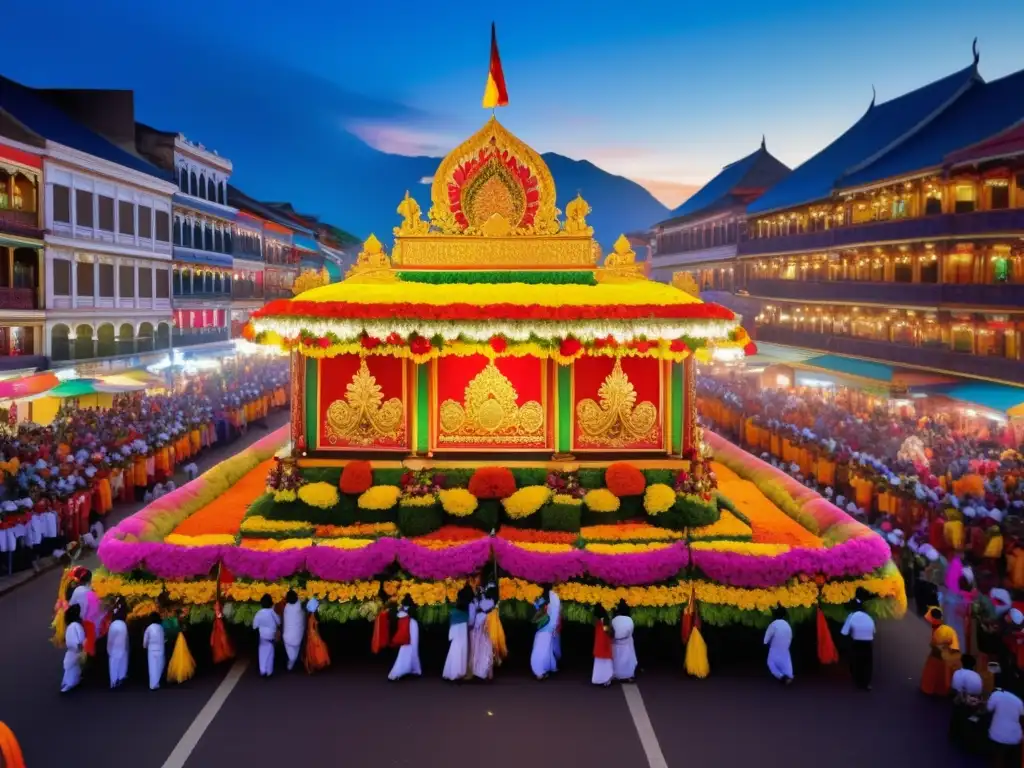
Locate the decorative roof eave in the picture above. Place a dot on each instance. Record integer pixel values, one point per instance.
(1006, 144)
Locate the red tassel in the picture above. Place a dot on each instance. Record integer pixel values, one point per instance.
(381, 632)
(827, 653)
(220, 643)
(687, 625)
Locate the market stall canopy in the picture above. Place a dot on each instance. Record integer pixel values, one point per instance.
(27, 386)
(146, 378)
(109, 385)
(1001, 398)
(120, 383)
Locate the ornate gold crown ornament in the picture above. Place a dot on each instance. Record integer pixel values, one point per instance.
(618, 421)
(684, 282)
(489, 412)
(620, 265)
(363, 417)
(309, 279)
(372, 264)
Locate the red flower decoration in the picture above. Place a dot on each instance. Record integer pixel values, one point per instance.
(642, 345)
(678, 346)
(395, 340)
(750, 349)
(492, 483)
(419, 345)
(356, 477)
(623, 479)
(569, 347)
(369, 342)
(324, 342)
(498, 344)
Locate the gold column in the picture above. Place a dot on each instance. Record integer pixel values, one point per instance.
(298, 399)
(689, 402)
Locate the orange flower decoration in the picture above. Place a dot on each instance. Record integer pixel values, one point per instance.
(356, 477)
(492, 483)
(624, 479)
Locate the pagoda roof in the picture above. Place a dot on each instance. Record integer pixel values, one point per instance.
(757, 171)
(32, 109)
(879, 130)
(1003, 144)
(983, 110)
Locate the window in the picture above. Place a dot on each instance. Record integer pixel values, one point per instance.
(197, 235)
(1000, 196)
(227, 241)
(208, 238)
(211, 191)
(126, 278)
(163, 288)
(218, 241)
(146, 282)
(61, 203)
(186, 231)
(85, 278)
(125, 217)
(899, 208)
(145, 221)
(193, 184)
(83, 207)
(106, 213)
(221, 198)
(965, 198)
(163, 226)
(61, 277)
(183, 179)
(929, 269)
(106, 281)
(202, 185)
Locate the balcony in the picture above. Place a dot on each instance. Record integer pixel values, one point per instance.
(939, 358)
(25, 223)
(246, 292)
(194, 337)
(914, 294)
(18, 298)
(937, 227)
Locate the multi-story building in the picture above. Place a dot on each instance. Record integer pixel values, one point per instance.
(203, 233)
(22, 295)
(702, 234)
(106, 270)
(902, 242)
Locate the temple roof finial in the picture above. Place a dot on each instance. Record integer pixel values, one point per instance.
(873, 96)
(974, 50)
(763, 144)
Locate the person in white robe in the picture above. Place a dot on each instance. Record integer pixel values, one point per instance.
(604, 650)
(778, 638)
(407, 640)
(155, 642)
(623, 651)
(267, 623)
(457, 661)
(542, 657)
(74, 645)
(294, 627)
(481, 646)
(117, 647)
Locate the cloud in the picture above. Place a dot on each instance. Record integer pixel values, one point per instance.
(398, 139)
(670, 193)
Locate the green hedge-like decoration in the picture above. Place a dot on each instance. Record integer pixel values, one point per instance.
(487, 515)
(561, 517)
(687, 512)
(581, 277)
(419, 521)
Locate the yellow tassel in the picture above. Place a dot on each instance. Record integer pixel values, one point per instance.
(59, 628)
(697, 655)
(59, 607)
(497, 634)
(182, 665)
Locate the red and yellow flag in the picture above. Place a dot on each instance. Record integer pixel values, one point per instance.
(495, 94)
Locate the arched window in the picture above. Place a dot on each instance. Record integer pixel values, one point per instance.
(218, 240)
(208, 238)
(84, 348)
(176, 281)
(211, 190)
(202, 185)
(177, 231)
(197, 234)
(221, 197)
(126, 339)
(163, 336)
(193, 184)
(183, 179)
(227, 241)
(208, 282)
(145, 337)
(60, 345)
(186, 281)
(218, 283)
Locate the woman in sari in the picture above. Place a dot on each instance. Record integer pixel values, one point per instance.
(943, 656)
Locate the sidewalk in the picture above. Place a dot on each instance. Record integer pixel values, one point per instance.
(205, 461)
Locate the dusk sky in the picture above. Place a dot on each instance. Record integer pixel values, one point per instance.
(663, 92)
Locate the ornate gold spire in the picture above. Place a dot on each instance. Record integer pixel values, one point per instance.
(309, 279)
(619, 265)
(372, 264)
(576, 213)
(412, 219)
(618, 421)
(363, 417)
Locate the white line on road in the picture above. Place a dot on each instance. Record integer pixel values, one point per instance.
(642, 723)
(195, 731)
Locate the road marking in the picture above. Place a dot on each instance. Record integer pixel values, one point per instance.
(642, 723)
(195, 731)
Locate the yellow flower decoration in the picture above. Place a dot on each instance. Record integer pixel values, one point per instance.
(526, 501)
(565, 498)
(321, 495)
(285, 496)
(380, 497)
(342, 592)
(253, 591)
(542, 546)
(258, 524)
(728, 526)
(192, 592)
(803, 595)
(601, 500)
(345, 543)
(742, 547)
(627, 532)
(428, 500)
(624, 549)
(276, 545)
(458, 502)
(203, 540)
(659, 498)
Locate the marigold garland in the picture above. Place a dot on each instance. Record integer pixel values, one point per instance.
(362, 529)
(379, 497)
(659, 498)
(601, 500)
(728, 526)
(427, 500)
(203, 540)
(192, 592)
(742, 547)
(624, 548)
(320, 495)
(458, 502)
(526, 501)
(275, 545)
(259, 524)
(533, 535)
(628, 532)
(565, 498)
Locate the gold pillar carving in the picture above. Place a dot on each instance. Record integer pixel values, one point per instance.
(298, 415)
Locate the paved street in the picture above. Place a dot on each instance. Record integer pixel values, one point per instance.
(351, 715)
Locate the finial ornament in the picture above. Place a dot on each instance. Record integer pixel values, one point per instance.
(873, 96)
(619, 265)
(310, 279)
(763, 143)
(974, 50)
(576, 213)
(412, 223)
(372, 264)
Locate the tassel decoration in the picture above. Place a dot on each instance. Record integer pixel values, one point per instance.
(221, 645)
(497, 634)
(827, 653)
(688, 614)
(381, 632)
(696, 649)
(316, 656)
(182, 666)
(58, 624)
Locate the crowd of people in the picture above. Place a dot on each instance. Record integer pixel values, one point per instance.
(57, 482)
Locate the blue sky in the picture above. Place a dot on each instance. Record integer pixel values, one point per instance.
(665, 95)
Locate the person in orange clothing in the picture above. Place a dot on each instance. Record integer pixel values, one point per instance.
(10, 750)
(943, 656)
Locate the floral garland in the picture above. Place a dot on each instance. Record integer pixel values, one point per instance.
(526, 501)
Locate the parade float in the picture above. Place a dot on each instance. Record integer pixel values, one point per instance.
(497, 397)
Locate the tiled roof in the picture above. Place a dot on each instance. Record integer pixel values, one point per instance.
(758, 170)
(30, 108)
(1004, 143)
(983, 110)
(878, 130)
